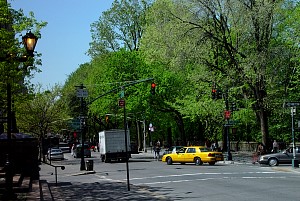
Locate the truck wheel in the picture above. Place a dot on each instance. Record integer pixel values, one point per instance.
(169, 161)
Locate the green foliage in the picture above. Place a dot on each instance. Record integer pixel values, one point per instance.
(119, 27)
(43, 113)
(247, 51)
(13, 25)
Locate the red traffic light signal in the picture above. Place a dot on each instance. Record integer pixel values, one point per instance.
(214, 93)
(153, 85)
(227, 114)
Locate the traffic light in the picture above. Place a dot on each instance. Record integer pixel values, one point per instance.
(219, 94)
(82, 123)
(233, 106)
(214, 93)
(153, 85)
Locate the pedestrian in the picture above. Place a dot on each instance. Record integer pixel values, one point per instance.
(213, 146)
(157, 150)
(261, 149)
(154, 151)
(275, 147)
(72, 149)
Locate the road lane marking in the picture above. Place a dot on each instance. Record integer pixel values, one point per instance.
(204, 179)
(204, 173)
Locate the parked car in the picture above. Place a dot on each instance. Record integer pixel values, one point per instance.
(283, 157)
(193, 154)
(172, 149)
(55, 154)
(86, 151)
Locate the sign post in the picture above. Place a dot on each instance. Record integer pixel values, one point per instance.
(293, 105)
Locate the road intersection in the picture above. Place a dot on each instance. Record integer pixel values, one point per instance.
(158, 181)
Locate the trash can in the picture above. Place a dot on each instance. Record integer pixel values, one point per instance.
(89, 165)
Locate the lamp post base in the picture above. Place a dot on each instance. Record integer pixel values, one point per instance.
(9, 195)
(229, 156)
(82, 165)
(295, 163)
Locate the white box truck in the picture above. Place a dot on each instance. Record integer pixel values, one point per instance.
(112, 145)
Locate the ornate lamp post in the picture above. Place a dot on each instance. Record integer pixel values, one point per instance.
(29, 41)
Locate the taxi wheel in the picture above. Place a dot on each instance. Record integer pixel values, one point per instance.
(198, 161)
(169, 161)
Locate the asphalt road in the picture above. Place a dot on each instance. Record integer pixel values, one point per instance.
(183, 182)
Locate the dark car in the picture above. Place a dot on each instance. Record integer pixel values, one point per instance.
(77, 151)
(283, 157)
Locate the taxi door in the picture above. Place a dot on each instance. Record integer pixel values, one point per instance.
(190, 155)
(179, 156)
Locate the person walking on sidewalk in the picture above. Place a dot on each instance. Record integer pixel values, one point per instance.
(275, 147)
(157, 150)
(260, 150)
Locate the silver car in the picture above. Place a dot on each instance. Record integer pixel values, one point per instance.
(283, 157)
(55, 154)
(86, 151)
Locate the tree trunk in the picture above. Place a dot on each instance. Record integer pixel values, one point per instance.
(180, 124)
(263, 117)
(169, 137)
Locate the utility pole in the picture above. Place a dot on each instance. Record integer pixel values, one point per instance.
(295, 162)
(82, 93)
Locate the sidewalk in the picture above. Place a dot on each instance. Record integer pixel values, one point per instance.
(101, 190)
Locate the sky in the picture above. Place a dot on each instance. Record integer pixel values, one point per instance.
(65, 40)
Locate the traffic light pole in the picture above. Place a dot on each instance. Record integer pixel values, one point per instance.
(118, 88)
(229, 156)
(126, 148)
(82, 129)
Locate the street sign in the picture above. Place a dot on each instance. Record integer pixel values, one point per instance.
(122, 103)
(75, 124)
(82, 93)
(3, 119)
(292, 104)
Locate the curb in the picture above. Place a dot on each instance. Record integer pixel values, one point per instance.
(83, 173)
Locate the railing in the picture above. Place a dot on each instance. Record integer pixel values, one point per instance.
(55, 167)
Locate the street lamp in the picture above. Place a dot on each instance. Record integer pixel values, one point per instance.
(29, 41)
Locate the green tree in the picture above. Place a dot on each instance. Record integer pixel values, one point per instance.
(13, 24)
(44, 113)
(121, 26)
(228, 43)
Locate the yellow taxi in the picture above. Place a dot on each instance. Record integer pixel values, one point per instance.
(193, 154)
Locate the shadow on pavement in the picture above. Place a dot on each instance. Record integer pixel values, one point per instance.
(104, 191)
